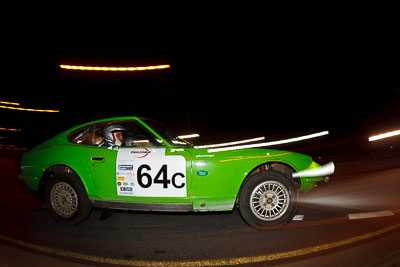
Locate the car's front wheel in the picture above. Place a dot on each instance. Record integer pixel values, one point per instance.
(66, 199)
(268, 200)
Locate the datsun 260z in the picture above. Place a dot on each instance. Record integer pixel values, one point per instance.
(135, 163)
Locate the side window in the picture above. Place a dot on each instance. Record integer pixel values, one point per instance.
(136, 136)
(81, 136)
(123, 133)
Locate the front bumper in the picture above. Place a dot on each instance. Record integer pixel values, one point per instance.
(314, 174)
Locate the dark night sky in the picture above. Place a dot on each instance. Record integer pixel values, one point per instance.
(225, 83)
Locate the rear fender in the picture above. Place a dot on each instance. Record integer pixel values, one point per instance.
(58, 168)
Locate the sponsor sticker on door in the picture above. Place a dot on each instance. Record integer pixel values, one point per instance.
(150, 173)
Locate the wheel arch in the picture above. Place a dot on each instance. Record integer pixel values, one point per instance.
(279, 166)
(53, 170)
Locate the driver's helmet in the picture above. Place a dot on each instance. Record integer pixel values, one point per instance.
(109, 134)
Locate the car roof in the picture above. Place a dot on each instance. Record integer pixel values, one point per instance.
(102, 120)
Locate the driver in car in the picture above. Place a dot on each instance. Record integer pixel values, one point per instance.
(113, 135)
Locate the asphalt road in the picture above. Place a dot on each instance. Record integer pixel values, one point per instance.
(359, 208)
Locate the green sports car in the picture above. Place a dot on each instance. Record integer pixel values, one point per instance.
(134, 163)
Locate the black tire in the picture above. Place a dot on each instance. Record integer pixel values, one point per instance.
(66, 199)
(268, 200)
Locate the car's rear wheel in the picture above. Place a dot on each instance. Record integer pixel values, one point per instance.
(66, 199)
(268, 200)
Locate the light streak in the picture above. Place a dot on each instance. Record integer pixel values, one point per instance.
(29, 109)
(279, 142)
(256, 157)
(11, 147)
(9, 103)
(178, 142)
(384, 135)
(110, 68)
(232, 143)
(10, 129)
(141, 141)
(188, 136)
(324, 170)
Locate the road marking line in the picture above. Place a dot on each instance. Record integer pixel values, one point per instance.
(298, 217)
(368, 215)
(216, 262)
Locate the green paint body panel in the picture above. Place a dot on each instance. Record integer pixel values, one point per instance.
(213, 180)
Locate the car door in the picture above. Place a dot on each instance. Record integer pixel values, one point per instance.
(142, 170)
(157, 173)
(101, 163)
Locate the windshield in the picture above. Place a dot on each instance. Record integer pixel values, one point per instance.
(166, 134)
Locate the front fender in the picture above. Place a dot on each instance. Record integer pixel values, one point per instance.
(218, 177)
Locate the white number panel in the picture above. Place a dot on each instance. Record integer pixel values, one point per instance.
(148, 172)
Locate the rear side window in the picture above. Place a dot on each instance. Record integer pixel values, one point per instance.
(133, 135)
(81, 136)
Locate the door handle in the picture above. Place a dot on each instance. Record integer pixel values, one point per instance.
(98, 159)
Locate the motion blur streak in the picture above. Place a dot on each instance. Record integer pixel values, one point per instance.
(189, 136)
(10, 129)
(9, 103)
(279, 142)
(324, 170)
(30, 109)
(384, 135)
(108, 68)
(233, 143)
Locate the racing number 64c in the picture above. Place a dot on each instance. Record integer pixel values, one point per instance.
(145, 180)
